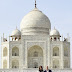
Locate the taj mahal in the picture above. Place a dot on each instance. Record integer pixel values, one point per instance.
(35, 44)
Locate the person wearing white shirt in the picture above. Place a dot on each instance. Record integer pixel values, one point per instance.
(47, 70)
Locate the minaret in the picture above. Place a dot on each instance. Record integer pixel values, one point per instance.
(9, 38)
(3, 37)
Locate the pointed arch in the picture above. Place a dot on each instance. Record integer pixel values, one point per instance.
(35, 56)
(55, 63)
(15, 51)
(65, 63)
(15, 64)
(65, 51)
(5, 52)
(35, 51)
(5, 64)
(55, 51)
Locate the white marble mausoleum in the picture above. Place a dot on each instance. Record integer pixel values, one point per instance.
(35, 44)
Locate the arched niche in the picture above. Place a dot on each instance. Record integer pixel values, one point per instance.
(4, 64)
(55, 51)
(15, 64)
(35, 56)
(15, 51)
(55, 63)
(65, 63)
(65, 51)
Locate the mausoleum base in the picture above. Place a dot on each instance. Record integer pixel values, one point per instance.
(33, 70)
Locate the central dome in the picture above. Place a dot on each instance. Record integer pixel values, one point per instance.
(35, 22)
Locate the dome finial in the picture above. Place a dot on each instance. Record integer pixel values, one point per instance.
(35, 4)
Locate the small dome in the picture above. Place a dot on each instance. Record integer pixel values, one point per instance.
(35, 22)
(54, 32)
(16, 32)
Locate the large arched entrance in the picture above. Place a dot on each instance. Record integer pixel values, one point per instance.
(35, 57)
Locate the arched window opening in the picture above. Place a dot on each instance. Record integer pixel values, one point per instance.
(15, 51)
(65, 64)
(65, 51)
(54, 38)
(15, 64)
(55, 51)
(56, 64)
(15, 38)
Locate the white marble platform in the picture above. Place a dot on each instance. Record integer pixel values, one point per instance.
(33, 70)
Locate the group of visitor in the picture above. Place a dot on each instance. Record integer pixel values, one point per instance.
(41, 69)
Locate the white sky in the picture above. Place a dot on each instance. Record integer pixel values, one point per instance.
(58, 11)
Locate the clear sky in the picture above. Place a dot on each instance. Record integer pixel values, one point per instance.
(58, 11)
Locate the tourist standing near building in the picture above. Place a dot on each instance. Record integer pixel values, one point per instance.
(47, 70)
(41, 69)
